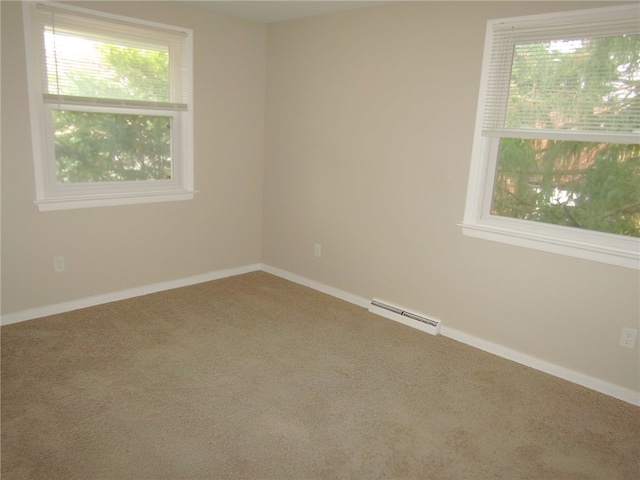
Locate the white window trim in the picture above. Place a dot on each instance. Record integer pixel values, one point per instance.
(52, 196)
(601, 247)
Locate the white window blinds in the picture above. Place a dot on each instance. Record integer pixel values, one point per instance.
(90, 60)
(566, 78)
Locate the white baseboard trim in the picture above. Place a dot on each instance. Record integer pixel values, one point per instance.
(616, 391)
(321, 287)
(123, 294)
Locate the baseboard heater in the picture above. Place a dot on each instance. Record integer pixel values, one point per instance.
(400, 315)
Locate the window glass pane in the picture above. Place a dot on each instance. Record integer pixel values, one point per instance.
(105, 147)
(588, 84)
(586, 185)
(79, 65)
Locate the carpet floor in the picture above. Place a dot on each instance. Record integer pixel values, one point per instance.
(255, 377)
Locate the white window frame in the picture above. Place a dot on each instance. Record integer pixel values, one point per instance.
(52, 195)
(478, 222)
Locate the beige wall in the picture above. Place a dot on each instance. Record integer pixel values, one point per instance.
(117, 248)
(370, 119)
(369, 124)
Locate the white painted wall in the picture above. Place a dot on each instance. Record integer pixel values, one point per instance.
(370, 118)
(365, 148)
(111, 249)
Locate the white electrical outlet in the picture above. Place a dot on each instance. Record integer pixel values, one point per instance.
(628, 337)
(317, 250)
(58, 264)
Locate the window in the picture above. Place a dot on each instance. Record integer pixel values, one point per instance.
(111, 112)
(556, 154)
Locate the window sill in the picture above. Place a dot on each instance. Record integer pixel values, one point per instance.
(108, 200)
(622, 252)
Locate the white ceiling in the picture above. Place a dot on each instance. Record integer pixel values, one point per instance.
(269, 11)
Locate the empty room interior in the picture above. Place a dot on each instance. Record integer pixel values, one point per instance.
(327, 155)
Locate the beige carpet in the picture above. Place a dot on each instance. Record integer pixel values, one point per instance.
(254, 377)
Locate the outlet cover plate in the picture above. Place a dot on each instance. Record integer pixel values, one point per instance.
(628, 337)
(58, 264)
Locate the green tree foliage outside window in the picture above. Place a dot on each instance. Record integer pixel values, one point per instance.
(104, 147)
(588, 185)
